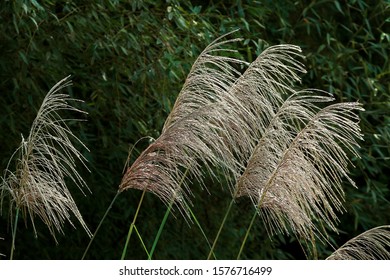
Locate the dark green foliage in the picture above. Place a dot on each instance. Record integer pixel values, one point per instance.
(128, 61)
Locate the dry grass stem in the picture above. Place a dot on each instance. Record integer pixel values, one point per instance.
(43, 161)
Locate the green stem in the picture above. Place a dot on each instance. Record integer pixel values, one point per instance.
(160, 229)
(220, 229)
(258, 207)
(164, 221)
(200, 227)
(166, 217)
(251, 225)
(132, 225)
(142, 242)
(246, 235)
(14, 233)
(100, 223)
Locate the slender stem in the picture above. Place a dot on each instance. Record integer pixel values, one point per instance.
(132, 225)
(258, 207)
(100, 223)
(142, 242)
(200, 227)
(160, 229)
(14, 233)
(220, 229)
(164, 222)
(166, 217)
(246, 235)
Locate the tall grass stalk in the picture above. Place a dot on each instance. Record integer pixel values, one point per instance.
(246, 235)
(99, 225)
(15, 226)
(142, 241)
(200, 228)
(193, 218)
(165, 218)
(132, 225)
(160, 229)
(115, 197)
(211, 252)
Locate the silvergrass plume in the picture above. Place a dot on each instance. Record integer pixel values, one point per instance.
(373, 244)
(43, 161)
(258, 92)
(191, 137)
(295, 173)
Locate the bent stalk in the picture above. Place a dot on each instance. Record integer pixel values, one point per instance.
(132, 225)
(100, 224)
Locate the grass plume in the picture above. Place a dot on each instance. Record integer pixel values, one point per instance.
(191, 138)
(43, 162)
(373, 244)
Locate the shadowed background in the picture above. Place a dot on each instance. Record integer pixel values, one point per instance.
(128, 61)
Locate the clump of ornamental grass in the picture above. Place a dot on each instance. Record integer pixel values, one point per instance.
(215, 122)
(373, 244)
(285, 152)
(273, 143)
(44, 161)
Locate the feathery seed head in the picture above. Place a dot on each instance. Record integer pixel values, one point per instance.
(46, 158)
(372, 244)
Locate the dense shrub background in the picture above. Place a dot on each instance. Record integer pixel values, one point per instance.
(128, 61)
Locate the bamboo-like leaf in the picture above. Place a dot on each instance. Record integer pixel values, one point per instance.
(373, 244)
(45, 159)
